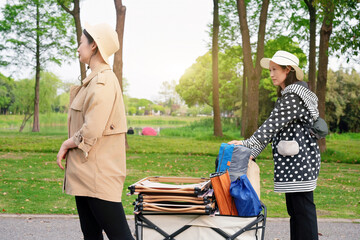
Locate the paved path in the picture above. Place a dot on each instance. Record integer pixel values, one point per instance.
(60, 227)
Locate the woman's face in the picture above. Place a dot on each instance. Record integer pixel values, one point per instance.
(278, 74)
(85, 49)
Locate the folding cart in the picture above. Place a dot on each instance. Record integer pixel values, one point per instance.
(168, 226)
(184, 210)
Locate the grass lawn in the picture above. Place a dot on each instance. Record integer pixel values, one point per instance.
(31, 182)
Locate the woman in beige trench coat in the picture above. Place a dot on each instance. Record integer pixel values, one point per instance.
(95, 150)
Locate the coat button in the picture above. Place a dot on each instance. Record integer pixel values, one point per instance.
(112, 126)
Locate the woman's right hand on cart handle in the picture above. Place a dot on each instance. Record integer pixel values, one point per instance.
(236, 142)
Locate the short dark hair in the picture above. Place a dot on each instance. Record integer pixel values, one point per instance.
(290, 78)
(88, 36)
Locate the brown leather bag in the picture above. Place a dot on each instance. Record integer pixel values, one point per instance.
(220, 182)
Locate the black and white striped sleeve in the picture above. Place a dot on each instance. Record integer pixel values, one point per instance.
(257, 150)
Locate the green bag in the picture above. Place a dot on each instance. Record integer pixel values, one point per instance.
(319, 129)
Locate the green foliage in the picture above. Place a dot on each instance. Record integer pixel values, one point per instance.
(297, 24)
(159, 108)
(131, 111)
(50, 34)
(6, 93)
(230, 79)
(24, 94)
(287, 44)
(282, 43)
(342, 101)
(138, 106)
(229, 34)
(50, 123)
(35, 32)
(203, 130)
(61, 103)
(345, 34)
(200, 110)
(195, 86)
(345, 39)
(229, 30)
(159, 121)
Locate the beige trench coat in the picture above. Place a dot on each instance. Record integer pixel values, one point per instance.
(97, 124)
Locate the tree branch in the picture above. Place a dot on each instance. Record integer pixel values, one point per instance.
(61, 3)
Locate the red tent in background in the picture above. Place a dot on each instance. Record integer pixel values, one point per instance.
(149, 131)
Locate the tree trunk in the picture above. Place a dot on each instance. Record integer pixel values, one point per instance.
(252, 111)
(252, 74)
(36, 123)
(215, 71)
(325, 32)
(312, 49)
(118, 57)
(120, 24)
(243, 104)
(26, 118)
(76, 15)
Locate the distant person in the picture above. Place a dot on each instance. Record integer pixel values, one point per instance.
(130, 130)
(295, 151)
(95, 151)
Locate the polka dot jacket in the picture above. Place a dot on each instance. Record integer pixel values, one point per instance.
(296, 153)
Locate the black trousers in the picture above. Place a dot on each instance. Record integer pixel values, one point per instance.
(97, 215)
(302, 212)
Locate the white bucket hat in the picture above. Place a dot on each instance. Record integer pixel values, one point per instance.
(105, 37)
(284, 58)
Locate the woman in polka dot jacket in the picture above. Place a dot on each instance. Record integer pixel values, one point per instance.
(296, 153)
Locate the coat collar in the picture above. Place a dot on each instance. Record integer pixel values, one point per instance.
(101, 67)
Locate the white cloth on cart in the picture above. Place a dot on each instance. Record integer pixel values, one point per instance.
(200, 227)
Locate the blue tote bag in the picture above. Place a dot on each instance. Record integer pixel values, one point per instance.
(246, 200)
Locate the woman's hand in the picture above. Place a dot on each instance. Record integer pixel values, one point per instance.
(61, 155)
(235, 142)
(65, 146)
